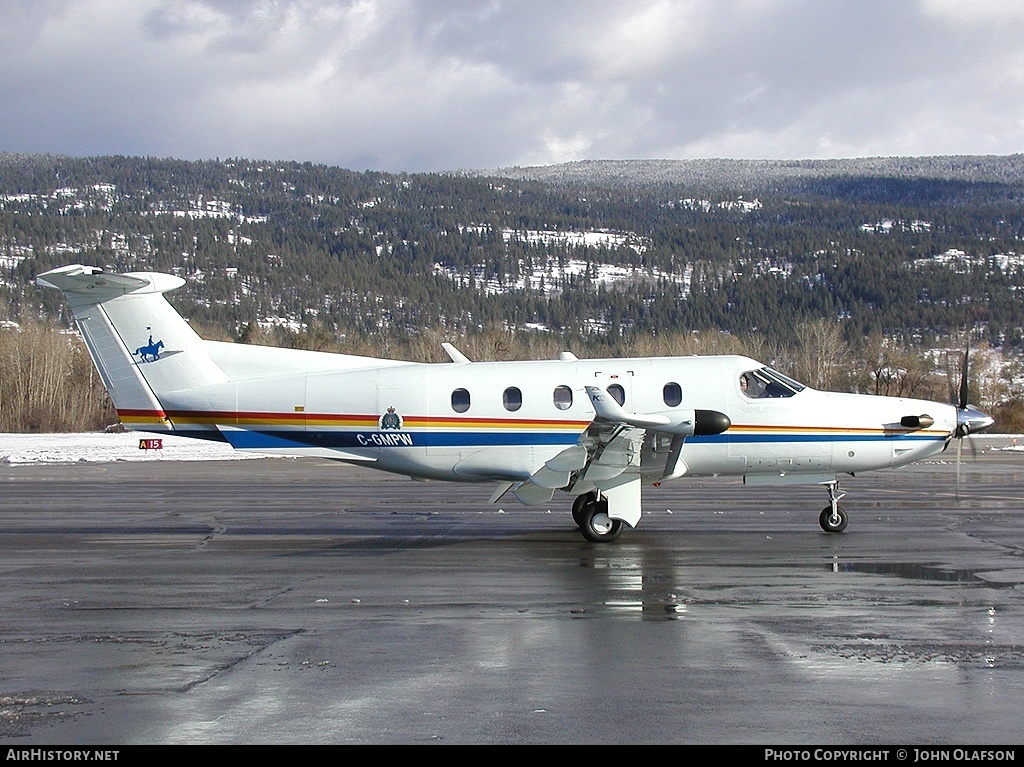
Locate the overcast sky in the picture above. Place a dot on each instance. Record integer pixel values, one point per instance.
(407, 85)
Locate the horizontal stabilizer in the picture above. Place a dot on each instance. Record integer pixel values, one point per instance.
(90, 285)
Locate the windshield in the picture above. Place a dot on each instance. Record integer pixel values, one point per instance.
(765, 383)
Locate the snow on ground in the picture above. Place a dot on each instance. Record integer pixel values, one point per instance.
(101, 448)
(104, 448)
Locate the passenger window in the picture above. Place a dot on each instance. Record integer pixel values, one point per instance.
(512, 398)
(672, 394)
(460, 400)
(618, 393)
(563, 397)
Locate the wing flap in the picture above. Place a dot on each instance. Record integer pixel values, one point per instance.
(530, 494)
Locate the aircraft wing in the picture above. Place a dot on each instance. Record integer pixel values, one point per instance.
(611, 453)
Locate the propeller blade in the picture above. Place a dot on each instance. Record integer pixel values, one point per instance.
(959, 448)
(962, 403)
(969, 420)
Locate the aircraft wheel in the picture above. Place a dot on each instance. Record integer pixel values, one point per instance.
(578, 504)
(596, 525)
(833, 522)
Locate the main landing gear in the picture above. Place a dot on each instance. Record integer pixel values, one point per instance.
(833, 518)
(590, 513)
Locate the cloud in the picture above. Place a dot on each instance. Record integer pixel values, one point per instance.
(408, 85)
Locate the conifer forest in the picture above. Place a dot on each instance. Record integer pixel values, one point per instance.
(867, 275)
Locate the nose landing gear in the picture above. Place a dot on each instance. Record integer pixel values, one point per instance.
(833, 519)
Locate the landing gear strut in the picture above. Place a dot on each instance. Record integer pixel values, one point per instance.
(590, 513)
(833, 518)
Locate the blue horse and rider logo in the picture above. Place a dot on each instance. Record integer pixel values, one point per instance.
(150, 352)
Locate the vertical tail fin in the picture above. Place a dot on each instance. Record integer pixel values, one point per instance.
(144, 350)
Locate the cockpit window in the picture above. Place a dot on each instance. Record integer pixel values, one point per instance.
(766, 383)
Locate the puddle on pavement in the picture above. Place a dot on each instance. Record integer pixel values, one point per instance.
(920, 572)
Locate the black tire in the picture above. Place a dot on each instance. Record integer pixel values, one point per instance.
(833, 524)
(596, 525)
(577, 507)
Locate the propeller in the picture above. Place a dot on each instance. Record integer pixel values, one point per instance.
(968, 418)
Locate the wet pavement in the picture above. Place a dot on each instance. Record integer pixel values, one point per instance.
(283, 601)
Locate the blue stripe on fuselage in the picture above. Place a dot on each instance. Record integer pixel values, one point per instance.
(251, 439)
(362, 439)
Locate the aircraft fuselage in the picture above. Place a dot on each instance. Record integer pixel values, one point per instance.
(500, 420)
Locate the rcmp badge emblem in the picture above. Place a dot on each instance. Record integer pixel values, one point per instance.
(390, 420)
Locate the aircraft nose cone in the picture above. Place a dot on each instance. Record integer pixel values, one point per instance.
(971, 420)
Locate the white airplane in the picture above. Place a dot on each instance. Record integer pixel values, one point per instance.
(595, 429)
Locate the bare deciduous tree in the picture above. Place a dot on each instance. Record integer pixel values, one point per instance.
(48, 383)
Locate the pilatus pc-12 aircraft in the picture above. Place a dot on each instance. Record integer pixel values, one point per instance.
(597, 430)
